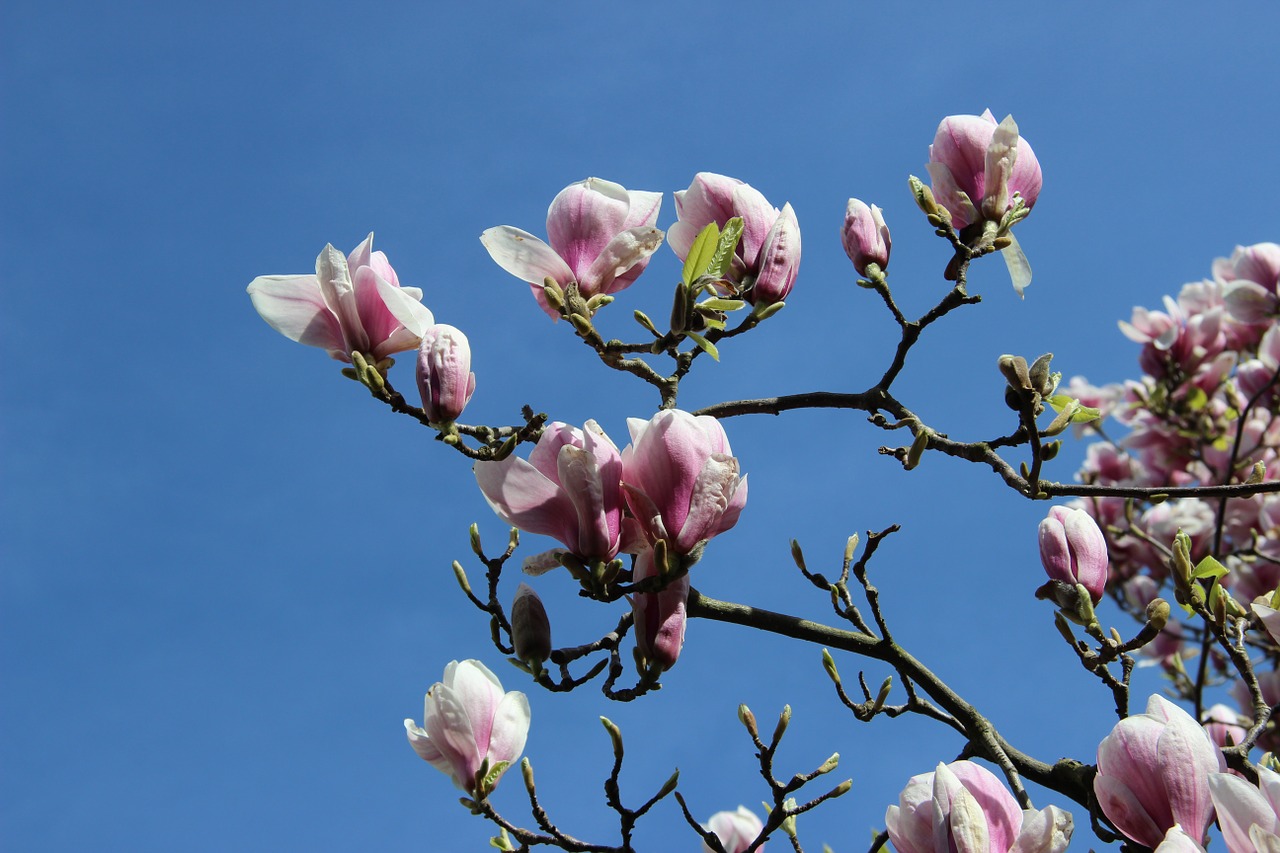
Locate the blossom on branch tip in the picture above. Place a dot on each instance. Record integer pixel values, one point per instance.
(569, 489)
(736, 830)
(1251, 279)
(681, 479)
(963, 808)
(600, 236)
(1073, 549)
(767, 257)
(351, 304)
(865, 236)
(445, 380)
(977, 166)
(468, 722)
(1153, 771)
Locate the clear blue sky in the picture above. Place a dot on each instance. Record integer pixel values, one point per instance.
(224, 570)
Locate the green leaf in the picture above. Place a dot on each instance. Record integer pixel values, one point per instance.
(1209, 568)
(1197, 399)
(1083, 415)
(716, 304)
(701, 252)
(491, 778)
(725, 246)
(704, 345)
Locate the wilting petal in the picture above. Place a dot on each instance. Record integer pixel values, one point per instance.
(1045, 831)
(712, 491)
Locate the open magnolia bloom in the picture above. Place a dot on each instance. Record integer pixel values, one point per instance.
(468, 720)
(767, 257)
(351, 304)
(681, 479)
(1153, 773)
(963, 808)
(570, 489)
(601, 236)
(1249, 815)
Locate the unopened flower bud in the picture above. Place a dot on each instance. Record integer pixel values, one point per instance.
(445, 379)
(530, 627)
(865, 236)
(1073, 549)
(1158, 614)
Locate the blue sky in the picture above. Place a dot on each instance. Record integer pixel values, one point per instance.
(224, 570)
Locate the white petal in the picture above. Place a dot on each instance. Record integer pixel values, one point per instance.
(525, 256)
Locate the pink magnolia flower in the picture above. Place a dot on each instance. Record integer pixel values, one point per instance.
(351, 304)
(977, 166)
(1251, 277)
(963, 808)
(1073, 549)
(681, 479)
(445, 380)
(1249, 816)
(659, 616)
(736, 830)
(601, 236)
(865, 236)
(570, 489)
(768, 254)
(1153, 773)
(469, 719)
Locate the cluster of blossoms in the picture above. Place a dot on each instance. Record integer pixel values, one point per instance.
(661, 499)
(1203, 413)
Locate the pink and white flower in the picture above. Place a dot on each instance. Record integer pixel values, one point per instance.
(351, 304)
(681, 479)
(600, 237)
(963, 808)
(1153, 773)
(659, 617)
(977, 166)
(1073, 549)
(569, 489)
(444, 375)
(736, 830)
(767, 258)
(865, 236)
(468, 719)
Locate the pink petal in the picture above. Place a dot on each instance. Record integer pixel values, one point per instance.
(294, 307)
(525, 256)
(625, 251)
(583, 218)
(526, 499)
(510, 728)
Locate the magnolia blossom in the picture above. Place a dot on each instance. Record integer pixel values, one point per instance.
(767, 258)
(1251, 277)
(963, 808)
(1073, 549)
(351, 304)
(681, 479)
(1153, 773)
(469, 720)
(569, 489)
(865, 236)
(659, 616)
(601, 236)
(977, 166)
(1249, 816)
(736, 830)
(445, 380)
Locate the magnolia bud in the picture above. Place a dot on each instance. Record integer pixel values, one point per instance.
(865, 236)
(445, 379)
(530, 628)
(1073, 549)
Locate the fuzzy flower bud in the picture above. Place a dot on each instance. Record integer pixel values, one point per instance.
(530, 627)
